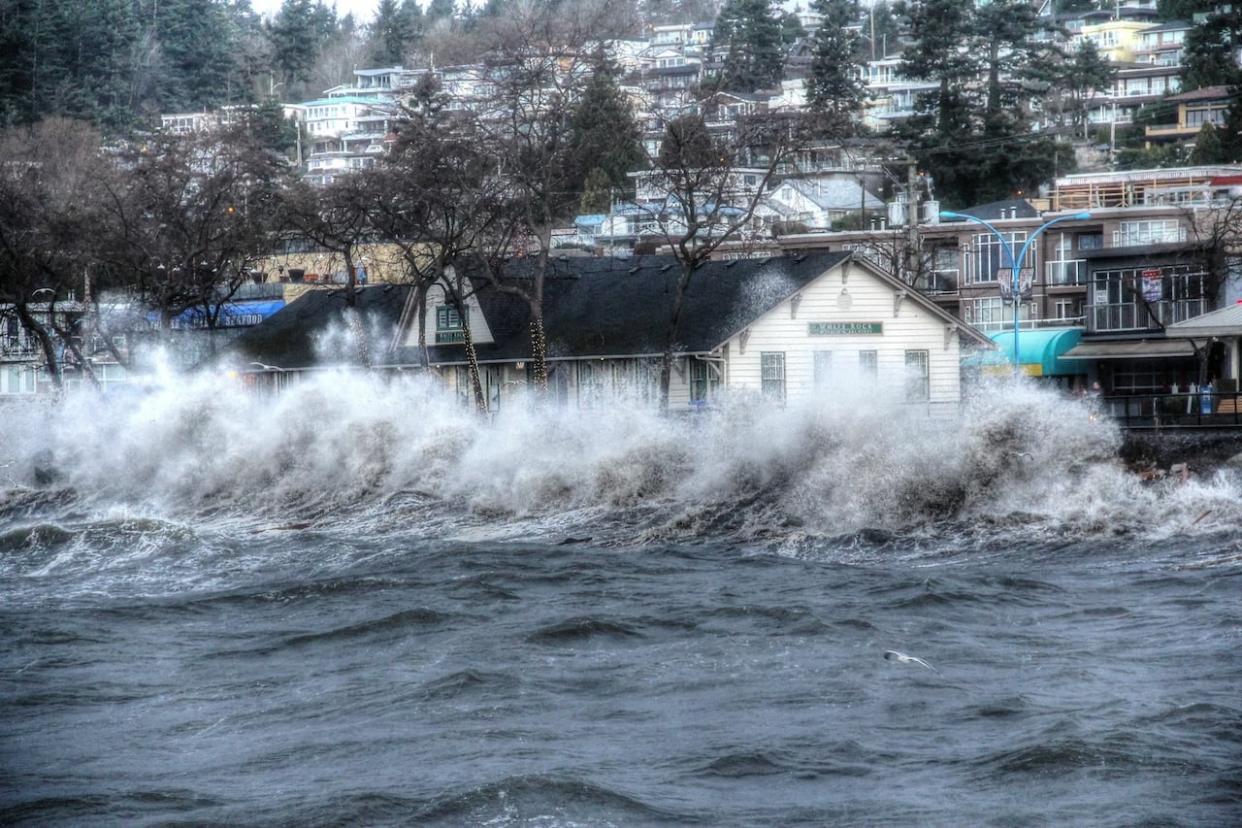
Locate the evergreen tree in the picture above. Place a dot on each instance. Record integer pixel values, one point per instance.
(791, 30)
(389, 34)
(748, 35)
(1230, 133)
(604, 135)
(1212, 49)
(413, 14)
(1208, 149)
(196, 40)
(596, 193)
(834, 86)
(294, 37)
(438, 10)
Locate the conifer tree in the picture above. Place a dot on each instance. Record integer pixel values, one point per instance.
(834, 86)
(604, 135)
(389, 34)
(1212, 49)
(294, 34)
(748, 36)
(1230, 133)
(1208, 149)
(438, 10)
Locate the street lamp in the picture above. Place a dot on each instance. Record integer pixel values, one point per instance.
(1015, 264)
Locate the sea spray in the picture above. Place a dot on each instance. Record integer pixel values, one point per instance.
(350, 444)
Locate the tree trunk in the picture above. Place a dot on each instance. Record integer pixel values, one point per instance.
(83, 364)
(538, 350)
(36, 329)
(351, 285)
(420, 296)
(472, 364)
(670, 337)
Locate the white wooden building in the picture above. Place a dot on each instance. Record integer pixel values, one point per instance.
(785, 328)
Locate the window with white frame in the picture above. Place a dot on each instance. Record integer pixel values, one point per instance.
(918, 376)
(990, 259)
(993, 313)
(1149, 231)
(772, 375)
(868, 364)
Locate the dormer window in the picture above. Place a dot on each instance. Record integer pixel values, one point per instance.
(449, 327)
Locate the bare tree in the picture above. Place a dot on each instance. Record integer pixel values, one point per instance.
(189, 219)
(334, 218)
(702, 191)
(538, 64)
(438, 197)
(47, 197)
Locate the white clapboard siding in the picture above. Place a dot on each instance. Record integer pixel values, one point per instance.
(480, 333)
(913, 328)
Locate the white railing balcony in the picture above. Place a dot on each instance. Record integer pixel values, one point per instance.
(1148, 235)
(1067, 272)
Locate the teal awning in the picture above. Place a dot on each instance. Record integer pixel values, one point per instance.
(1039, 352)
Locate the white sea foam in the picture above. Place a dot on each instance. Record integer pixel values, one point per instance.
(343, 443)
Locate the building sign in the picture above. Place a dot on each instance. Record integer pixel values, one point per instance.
(1153, 285)
(845, 328)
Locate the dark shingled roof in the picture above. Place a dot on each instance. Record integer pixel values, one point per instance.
(619, 307)
(287, 339)
(594, 307)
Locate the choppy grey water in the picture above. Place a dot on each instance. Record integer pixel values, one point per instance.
(250, 650)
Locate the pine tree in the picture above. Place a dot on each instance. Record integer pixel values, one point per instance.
(1230, 133)
(604, 135)
(196, 39)
(834, 86)
(294, 40)
(748, 35)
(438, 10)
(1212, 49)
(791, 30)
(1208, 149)
(596, 193)
(389, 34)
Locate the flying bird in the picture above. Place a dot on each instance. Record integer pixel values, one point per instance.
(902, 658)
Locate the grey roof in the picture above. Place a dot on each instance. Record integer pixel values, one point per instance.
(835, 193)
(1226, 321)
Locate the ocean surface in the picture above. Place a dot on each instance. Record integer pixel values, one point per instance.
(356, 604)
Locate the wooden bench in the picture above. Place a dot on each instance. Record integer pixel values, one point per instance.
(1228, 406)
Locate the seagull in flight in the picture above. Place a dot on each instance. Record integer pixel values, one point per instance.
(902, 658)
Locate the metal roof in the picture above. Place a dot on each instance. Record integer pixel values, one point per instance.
(1226, 321)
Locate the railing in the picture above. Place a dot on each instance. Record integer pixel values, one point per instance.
(1067, 272)
(1130, 316)
(942, 281)
(1190, 410)
(1137, 237)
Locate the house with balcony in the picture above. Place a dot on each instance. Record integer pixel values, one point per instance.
(1163, 44)
(1134, 86)
(1209, 105)
(1117, 39)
